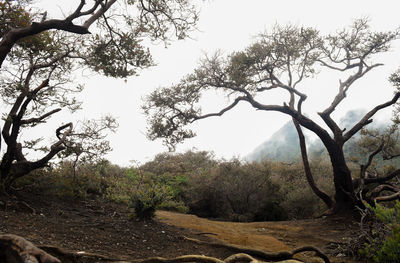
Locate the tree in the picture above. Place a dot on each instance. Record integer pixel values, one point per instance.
(88, 143)
(280, 61)
(379, 152)
(39, 55)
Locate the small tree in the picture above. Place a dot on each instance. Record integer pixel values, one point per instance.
(281, 60)
(88, 144)
(39, 55)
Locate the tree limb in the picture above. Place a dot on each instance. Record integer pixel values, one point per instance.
(322, 195)
(221, 112)
(17, 249)
(98, 14)
(382, 179)
(41, 118)
(15, 34)
(388, 198)
(367, 117)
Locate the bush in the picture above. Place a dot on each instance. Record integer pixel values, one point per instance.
(383, 242)
(270, 211)
(299, 200)
(122, 185)
(146, 198)
(173, 205)
(89, 179)
(235, 191)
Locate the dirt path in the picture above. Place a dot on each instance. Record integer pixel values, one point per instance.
(267, 236)
(232, 233)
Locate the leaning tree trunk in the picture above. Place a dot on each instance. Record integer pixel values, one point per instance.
(307, 169)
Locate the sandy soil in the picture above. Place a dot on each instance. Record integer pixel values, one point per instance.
(323, 233)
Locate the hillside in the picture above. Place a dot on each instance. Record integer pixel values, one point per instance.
(283, 145)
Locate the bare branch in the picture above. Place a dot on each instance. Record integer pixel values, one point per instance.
(324, 197)
(220, 113)
(382, 179)
(39, 119)
(77, 11)
(370, 158)
(367, 117)
(98, 13)
(388, 198)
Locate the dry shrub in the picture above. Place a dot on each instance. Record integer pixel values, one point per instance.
(236, 191)
(300, 202)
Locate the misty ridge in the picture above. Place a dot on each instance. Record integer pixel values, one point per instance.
(283, 145)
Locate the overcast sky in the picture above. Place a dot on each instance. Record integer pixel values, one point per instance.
(231, 25)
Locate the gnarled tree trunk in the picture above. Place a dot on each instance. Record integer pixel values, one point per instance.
(345, 197)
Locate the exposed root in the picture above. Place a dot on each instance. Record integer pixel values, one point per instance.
(16, 249)
(206, 233)
(268, 256)
(241, 257)
(13, 203)
(187, 258)
(78, 256)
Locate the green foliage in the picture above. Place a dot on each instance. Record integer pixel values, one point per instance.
(61, 181)
(41, 55)
(147, 197)
(174, 205)
(191, 182)
(121, 185)
(118, 56)
(299, 201)
(13, 15)
(384, 243)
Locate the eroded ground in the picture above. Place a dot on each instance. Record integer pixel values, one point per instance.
(323, 233)
(108, 229)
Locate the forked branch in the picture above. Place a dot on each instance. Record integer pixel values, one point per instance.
(367, 117)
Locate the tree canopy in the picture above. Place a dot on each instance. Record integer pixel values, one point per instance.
(40, 55)
(280, 60)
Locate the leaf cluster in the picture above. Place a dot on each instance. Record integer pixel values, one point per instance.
(279, 60)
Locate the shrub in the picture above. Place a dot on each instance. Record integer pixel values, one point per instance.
(299, 200)
(146, 198)
(89, 179)
(235, 190)
(122, 185)
(383, 242)
(173, 205)
(270, 211)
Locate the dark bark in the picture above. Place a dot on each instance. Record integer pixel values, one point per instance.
(344, 191)
(383, 179)
(18, 166)
(15, 34)
(310, 179)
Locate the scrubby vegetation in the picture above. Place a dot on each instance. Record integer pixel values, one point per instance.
(194, 182)
(235, 190)
(382, 239)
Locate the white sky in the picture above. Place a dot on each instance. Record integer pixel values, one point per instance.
(231, 25)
